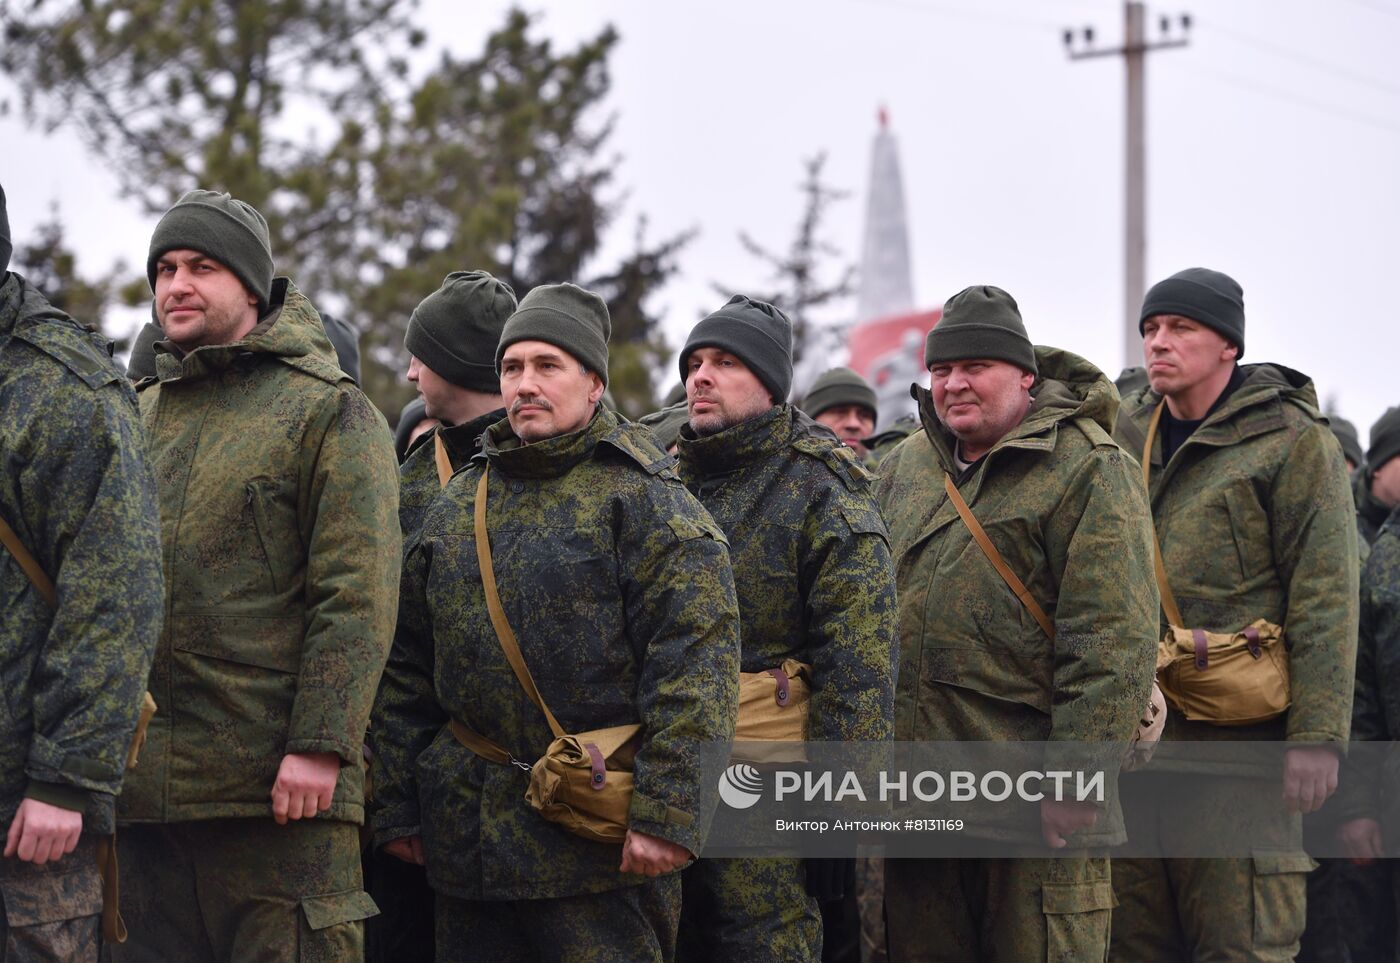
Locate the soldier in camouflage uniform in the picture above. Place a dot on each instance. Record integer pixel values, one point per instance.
(878, 446)
(76, 493)
(617, 586)
(1251, 508)
(278, 491)
(844, 402)
(1023, 433)
(812, 566)
(1345, 433)
(1377, 488)
(451, 339)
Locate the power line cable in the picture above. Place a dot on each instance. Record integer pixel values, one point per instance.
(1332, 110)
(1298, 56)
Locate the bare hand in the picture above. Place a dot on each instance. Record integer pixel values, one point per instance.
(41, 832)
(651, 855)
(407, 848)
(1309, 778)
(305, 784)
(1061, 817)
(1361, 838)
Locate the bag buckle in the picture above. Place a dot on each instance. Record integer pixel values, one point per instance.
(1251, 641)
(599, 777)
(521, 765)
(780, 694)
(1199, 637)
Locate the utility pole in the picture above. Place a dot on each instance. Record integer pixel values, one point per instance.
(1133, 51)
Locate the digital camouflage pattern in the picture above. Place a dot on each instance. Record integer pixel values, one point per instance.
(418, 477)
(879, 445)
(618, 588)
(278, 494)
(1254, 516)
(1028, 910)
(812, 567)
(242, 889)
(77, 492)
(1064, 507)
(53, 911)
(811, 562)
(635, 924)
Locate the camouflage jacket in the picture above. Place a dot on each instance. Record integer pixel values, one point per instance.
(1371, 512)
(879, 445)
(418, 477)
(76, 491)
(811, 562)
(618, 589)
(1256, 521)
(278, 490)
(1064, 507)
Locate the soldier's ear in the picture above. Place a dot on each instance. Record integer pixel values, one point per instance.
(596, 391)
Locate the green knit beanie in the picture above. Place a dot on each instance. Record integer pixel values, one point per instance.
(837, 387)
(1385, 439)
(1345, 433)
(566, 316)
(6, 247)
(755, 332)
(1214, 299)
(455, 330)
(980, 322)
(226, 229)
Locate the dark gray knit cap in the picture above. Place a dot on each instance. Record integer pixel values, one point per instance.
(566, 316)
(410, 417)
(224, 228)
(667, 423)
(1214, 299)
(755, 332)
(837, 387)
(1385, 439)
(455, 330)
(1345, 433)
(346, 341)
(980, 322)
(6, 246)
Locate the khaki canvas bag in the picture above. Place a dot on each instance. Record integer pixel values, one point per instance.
(1154, 716)
(113, 926)
(1228, 679)
(773, 708)
(582, 782)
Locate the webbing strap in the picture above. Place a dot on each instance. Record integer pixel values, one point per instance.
(1168, 600)
(993, 556)
(41, 582)
(444, 464)
(478, 743)
(504, 635)
(113, 926)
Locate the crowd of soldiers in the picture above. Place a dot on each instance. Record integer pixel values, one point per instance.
(356, 653)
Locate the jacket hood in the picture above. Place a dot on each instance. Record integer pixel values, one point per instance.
(291, 332)
(1261, 383)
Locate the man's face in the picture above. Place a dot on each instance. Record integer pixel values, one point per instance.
(980, 400)
(201, 302)
(1181, 353)
(721, 391)
(546, 391)
(436, 390)
(1385, 483)
(851, 423)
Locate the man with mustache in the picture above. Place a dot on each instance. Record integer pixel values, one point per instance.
(812, 567)
(277, 488)
(844, 402)
(617, 587)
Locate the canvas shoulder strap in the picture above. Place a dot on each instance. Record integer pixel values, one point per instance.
(988, 549)
(444, 464)
(42, 584)
(1168, 600)
(504, 635)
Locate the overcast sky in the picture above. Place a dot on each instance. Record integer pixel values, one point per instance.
(1273, 155)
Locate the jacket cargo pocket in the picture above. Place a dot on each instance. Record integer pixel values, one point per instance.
(1280, 888)
(1077, 919)
(275, 523)
(331, 927)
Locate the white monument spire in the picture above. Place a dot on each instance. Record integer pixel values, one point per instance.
(886, 287)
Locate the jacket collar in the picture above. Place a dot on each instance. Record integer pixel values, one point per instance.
(550, 458)
(738, 445)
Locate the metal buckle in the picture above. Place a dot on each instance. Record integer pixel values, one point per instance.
(521, 765)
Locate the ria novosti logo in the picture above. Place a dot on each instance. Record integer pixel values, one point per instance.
(740, 786)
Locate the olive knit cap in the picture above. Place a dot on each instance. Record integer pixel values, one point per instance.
(1214, 299)
(566, 316)
(980, 322)
(755, 332)
(455, 330)
(837, 387)
(6, 247)
(224, 228)
(1345, 433)
(1385, 439)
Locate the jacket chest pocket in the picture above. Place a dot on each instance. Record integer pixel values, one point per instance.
(273, 507)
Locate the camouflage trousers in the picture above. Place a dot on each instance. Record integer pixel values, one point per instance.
(242, 890)
(870, 898)
(748, 910)
(1249, 910)
(54, 911)
(634, 923)
(998, 910)
(1351, 913)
